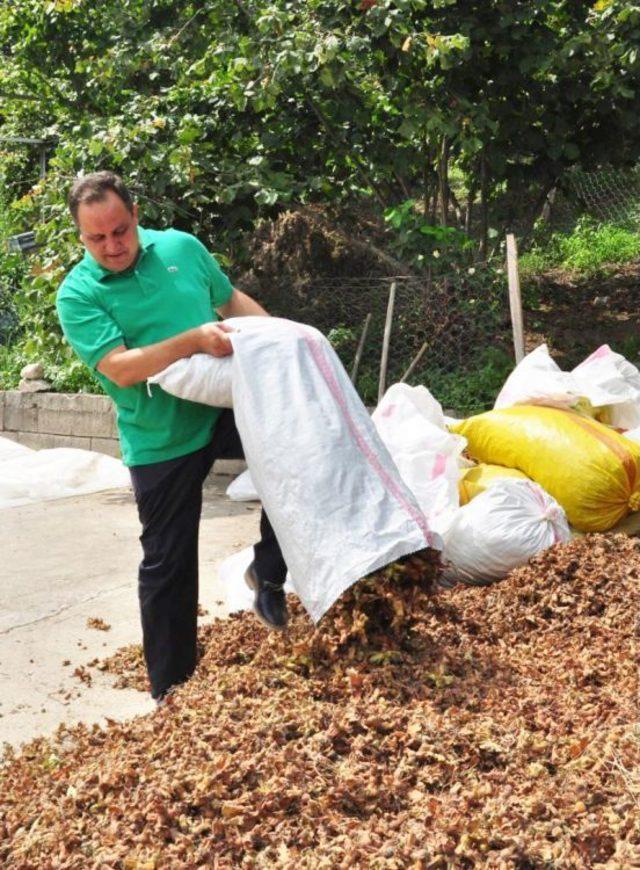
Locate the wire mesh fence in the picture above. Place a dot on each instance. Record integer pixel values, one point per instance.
(451, 333)
(607, 195)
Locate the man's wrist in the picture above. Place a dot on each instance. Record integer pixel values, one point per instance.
(190, 342)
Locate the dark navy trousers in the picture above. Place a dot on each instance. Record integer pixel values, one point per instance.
(169, 499)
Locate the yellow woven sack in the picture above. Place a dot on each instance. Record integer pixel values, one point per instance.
(475, 480)
(591, 470)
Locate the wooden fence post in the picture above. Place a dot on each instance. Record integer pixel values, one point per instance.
(414, 362)
(363, 338)
(385, 342)
(515, 300)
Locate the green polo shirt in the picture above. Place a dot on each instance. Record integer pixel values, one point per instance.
(175, 285)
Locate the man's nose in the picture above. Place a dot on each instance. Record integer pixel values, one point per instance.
(113, 245)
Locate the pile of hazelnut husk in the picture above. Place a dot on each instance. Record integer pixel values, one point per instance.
(475, 727)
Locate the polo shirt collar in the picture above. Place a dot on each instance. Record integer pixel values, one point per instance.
(100, 273)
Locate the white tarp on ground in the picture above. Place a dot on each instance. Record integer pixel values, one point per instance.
(28, 476)
(335, 499)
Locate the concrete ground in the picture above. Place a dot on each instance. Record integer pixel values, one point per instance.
(64, 562)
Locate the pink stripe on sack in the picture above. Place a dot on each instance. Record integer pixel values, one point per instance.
(387, 480)
(440, 466)
(602, 351)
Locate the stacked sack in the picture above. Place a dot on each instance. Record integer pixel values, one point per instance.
(499, 528)
(589, 468)
(548, 461)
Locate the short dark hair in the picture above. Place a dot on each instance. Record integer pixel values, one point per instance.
(94, 187)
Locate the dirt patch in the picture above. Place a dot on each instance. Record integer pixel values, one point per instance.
(296, 256)
(576, 316)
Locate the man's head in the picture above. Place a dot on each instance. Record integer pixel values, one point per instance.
(107, 219)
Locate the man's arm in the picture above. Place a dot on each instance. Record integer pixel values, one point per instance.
(127, 367)
(241, 305)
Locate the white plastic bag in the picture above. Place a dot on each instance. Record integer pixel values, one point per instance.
(539, 380)
(199, 378)
(606, 379)
(411, 424)
(609, 380)
(329, 486)
(501, 529)
(243, 488)
(236, 595)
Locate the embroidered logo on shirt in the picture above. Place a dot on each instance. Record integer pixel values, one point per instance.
(172, 268)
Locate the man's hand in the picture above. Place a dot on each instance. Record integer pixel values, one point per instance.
(213, 339)
(127, 367)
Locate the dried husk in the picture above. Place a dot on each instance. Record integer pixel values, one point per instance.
(502, 734)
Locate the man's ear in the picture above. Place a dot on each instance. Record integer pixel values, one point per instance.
(135, 211)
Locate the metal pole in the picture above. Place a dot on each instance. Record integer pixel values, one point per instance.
(385, 342)
(43, 163)
(363, 338)
(515, 300)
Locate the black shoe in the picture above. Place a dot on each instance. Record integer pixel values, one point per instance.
(269, 604)
(164, 698)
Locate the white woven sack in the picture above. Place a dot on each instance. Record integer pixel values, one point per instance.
(411, 424)
(10, 449)
(501, 529)
(539, 380)
(329, 486)
(242, 488)
(609, 380)
(199, 378)
(43, 475)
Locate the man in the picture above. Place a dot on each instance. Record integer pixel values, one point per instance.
(138, 301)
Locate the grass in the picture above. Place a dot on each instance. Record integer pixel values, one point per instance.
(590, 250)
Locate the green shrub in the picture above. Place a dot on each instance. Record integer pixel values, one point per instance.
(13, 269)
(471, 391)
(12, 359)
(421, 244)
(66, 374)
(465, 391)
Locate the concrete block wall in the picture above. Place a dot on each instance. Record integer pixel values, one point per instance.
(42, 420)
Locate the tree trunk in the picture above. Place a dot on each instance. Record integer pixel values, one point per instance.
(443, 181)
(456, 206)
(550, 198)
(430, 183)
(402, 183)
(473, 189)
(484, 208)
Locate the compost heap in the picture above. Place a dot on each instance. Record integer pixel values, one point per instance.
(501, 735)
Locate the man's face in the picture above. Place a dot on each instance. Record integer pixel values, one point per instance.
(109, 232)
